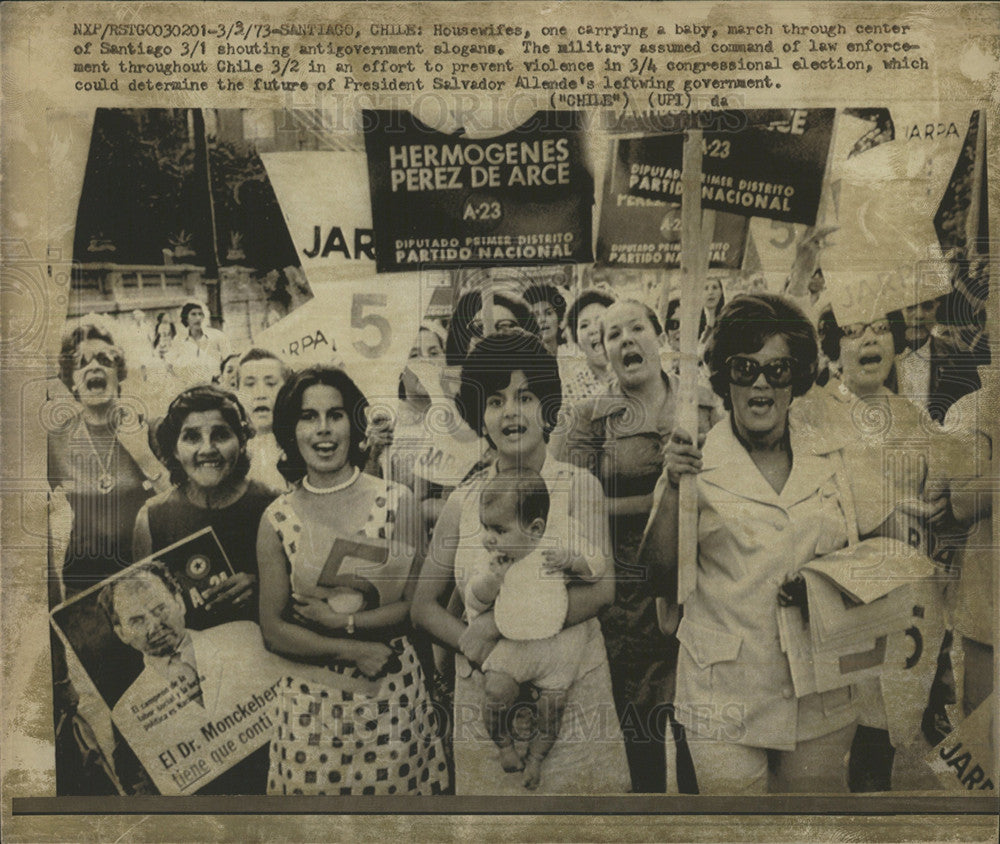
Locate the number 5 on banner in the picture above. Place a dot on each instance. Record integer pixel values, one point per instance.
(366, 326)
(360, 321)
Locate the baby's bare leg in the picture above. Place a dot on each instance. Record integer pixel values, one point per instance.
(551, 704)
(501, 692)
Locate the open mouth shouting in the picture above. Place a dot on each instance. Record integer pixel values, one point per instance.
(325, 449)
(513, 429)
(593, 348)
(94, 385)
(210, 470)
(760, 405)
(758, 411)
(631, 360)
(870, 360)
(95, 382)
(210, 462)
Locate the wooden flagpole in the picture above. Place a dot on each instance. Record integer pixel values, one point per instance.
(696, 238)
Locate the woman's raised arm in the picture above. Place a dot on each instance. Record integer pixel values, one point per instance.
(658, 549)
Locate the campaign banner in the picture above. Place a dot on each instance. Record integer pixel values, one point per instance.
(759, 164)
(356, 321)
(517, 199)
(888, 251)
(362, 573)
(198, 564)
(190, 693)
(864, 603)
(966, 760)
(365, 326)
(324, 199)
(646, 233)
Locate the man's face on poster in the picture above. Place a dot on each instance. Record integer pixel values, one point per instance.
(150, 617)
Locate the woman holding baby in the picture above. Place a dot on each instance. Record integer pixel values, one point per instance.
(511, 394)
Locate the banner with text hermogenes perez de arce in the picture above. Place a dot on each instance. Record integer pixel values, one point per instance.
(440, 200)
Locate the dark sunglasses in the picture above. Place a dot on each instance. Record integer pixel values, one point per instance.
(857, 329)
(744, 371)
(501, 326)
(107, 359)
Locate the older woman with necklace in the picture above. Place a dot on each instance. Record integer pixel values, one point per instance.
(101, 470)
(99, 458)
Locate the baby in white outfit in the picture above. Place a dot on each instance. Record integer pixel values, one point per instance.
(526, 586)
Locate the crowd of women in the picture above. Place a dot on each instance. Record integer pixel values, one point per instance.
(575, 396)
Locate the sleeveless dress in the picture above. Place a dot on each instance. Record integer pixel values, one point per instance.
(172, 517)
(338, 732)
(589, 754)
(100, 541)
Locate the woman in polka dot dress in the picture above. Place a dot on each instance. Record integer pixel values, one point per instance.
(356, 718)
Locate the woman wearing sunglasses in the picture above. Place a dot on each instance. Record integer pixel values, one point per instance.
(99, 456)
(768, 503)
(101, 470)
(911, 491)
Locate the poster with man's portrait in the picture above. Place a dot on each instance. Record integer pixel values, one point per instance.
(190, 694)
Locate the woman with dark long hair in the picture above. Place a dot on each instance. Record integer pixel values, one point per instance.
(715, 301)
(359, 685)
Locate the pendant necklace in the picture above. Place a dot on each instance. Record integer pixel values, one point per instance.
(105, 481)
